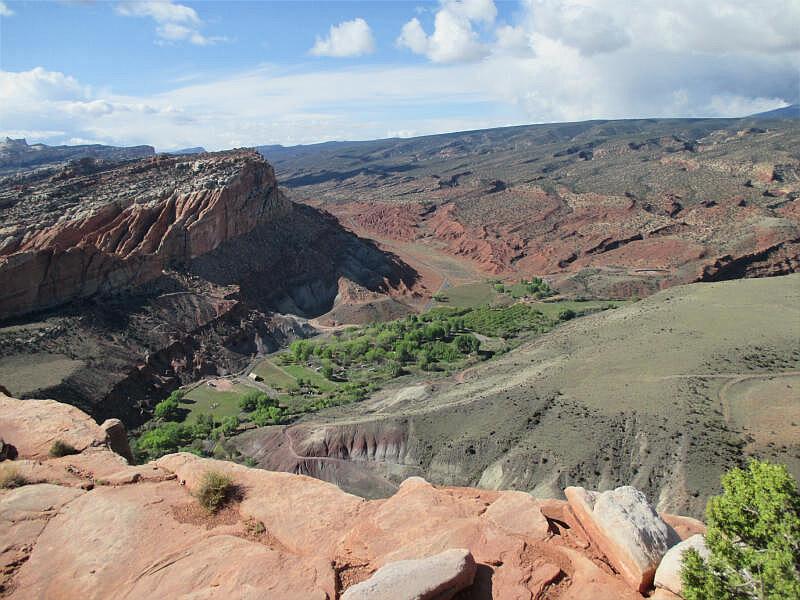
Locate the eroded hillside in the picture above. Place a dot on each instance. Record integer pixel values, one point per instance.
(666, 394)
(605, 208)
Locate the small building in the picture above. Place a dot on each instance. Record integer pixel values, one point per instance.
(255, 377)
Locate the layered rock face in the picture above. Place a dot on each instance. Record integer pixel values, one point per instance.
(90, 525)
(95, 229)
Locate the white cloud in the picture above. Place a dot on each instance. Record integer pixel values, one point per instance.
(349, 38)
(529, 72)
(453, 38)
(175, 22)
(5, 11)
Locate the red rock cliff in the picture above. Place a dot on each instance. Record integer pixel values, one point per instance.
(100, 228)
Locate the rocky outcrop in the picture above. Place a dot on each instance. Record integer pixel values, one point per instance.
(92, 526)
(668, 574)
(119, 227)
(627, 529)
(438, 577)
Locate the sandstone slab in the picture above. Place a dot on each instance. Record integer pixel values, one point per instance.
(668, 574)
(32, 426)
(626, 528)
(437, 577)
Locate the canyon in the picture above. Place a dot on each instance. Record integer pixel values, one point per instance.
(609, 209)
(122, 280)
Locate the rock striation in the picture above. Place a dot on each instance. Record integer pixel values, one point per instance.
(91, 525)
(627, 529)
(100, 229)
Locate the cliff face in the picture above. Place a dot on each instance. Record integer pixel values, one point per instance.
(90, 525)
(101, 229)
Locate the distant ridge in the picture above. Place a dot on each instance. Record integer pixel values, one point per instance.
(787, 112)
(17, 154)
(192, 150)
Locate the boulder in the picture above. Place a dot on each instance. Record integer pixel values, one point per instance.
(668, 574)
(117, 438)
(626, 528)
(438, 577)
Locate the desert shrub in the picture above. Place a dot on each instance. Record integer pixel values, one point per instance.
(10, 477)
(753, 538)
(61, 448)
(214, 491)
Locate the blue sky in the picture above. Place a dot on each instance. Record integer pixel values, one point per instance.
(222, 74)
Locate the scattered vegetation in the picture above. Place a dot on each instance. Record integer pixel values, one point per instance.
(344, 368)
(61, 448)
(10, 478)
(753, 537)
(215, 490)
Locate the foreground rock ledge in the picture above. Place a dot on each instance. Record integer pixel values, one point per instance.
(91, 525)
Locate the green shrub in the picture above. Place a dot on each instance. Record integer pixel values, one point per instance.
(566, 314)
(215, 490)
(61, 448)
(10, 477)
(753, 537)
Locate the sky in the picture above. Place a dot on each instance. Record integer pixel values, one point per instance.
(223, 74)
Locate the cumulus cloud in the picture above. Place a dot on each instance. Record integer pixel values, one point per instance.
(349, 38)
(174, 22)
(454, 38)
(531, 70)
(5, 11)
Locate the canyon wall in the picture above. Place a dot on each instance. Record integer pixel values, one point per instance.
(107, 229)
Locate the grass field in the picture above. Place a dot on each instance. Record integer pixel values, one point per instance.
(552, 309)
(201, 399)
(301, 372)
(275, 376)
(468, 295)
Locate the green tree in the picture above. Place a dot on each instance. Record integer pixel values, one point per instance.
(162, 440)
(753, 537)
(168, 409)
(467, 343)
(327, 370)
(229, 424)
(252, 400)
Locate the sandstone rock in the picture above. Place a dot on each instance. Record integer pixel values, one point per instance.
(32, 426)
(120, 226)
(138, 532)
(437, 577)
(626, 528)
(520, 514)
(684, 526)
(668, 574)
(117, 438)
